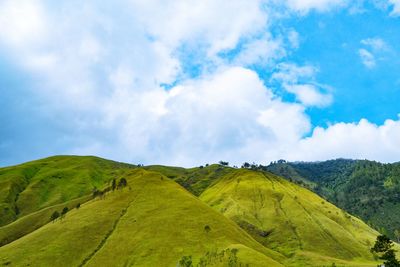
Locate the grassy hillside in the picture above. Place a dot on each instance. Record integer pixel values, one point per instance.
(152, 222)
(195, 180)
(291, 220)
(36, 185)
(368, 189)
(211, 215)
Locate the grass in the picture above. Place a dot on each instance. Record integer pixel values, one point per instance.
(292, 220)
(153, 224)
(166, 213)
(36, 185)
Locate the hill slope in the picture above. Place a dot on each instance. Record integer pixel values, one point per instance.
(36, 185)
(291, 220)
(368, 189)
(154, 223)
(268, 220)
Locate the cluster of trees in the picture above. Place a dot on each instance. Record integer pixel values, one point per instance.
(383, 249)
(211, 258)
(114, 185)
(59, 215)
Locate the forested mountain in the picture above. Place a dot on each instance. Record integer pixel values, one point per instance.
(367, 189)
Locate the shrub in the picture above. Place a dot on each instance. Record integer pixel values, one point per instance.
(54, 216)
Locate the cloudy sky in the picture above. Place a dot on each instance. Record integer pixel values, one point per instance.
(188, 82)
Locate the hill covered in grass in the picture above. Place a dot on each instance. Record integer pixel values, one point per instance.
(290, 219)
(35, 185)
(368, 189)
(169, 216)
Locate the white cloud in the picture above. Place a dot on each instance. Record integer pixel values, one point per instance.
(362, 140)
(261, 51)
(216, 24)
(222, 116)
(392, 5)
(309, 95)
(304, 6)
(301, 81)
(376, 44)
(367, 58)
(21, 22)
(374, 50)
(395, 7)
(100, 72)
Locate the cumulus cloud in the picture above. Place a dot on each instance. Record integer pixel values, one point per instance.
(102, 75)
(362, 140)
(226, 115)
(22, 21)
(301, 81)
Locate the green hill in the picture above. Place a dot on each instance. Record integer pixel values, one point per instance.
(367, 189)
(214, 215)
(35, 185)
(291, 220)
(154, 222)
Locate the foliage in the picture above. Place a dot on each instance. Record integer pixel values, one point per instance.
(368, 189)
(122, 183)
(54, 216)
(226, 257)
(186, 261)
(384, 248)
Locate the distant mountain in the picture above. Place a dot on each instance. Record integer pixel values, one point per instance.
(367, 189)
(87, 211)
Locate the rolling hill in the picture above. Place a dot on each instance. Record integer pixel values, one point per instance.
(211, 215)
(367, 189)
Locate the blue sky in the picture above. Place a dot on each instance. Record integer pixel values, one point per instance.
(188, 83)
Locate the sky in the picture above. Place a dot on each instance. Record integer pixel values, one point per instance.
(189, 82)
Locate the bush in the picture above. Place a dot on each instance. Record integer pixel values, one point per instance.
(54, 216)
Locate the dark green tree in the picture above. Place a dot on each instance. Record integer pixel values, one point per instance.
(122, 183)
(78, 205)
(186, 261)
(64, 211)
(54, 216)
(384, 248)
(114, 184)
(246, 165)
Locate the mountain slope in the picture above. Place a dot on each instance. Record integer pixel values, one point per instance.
(291, 220)
(152, 222)
(368, 189)
(36, 185)
(268, 220)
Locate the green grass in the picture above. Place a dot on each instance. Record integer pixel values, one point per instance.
(153, 224)
(295, 222)
(166, 213)
(36, 185)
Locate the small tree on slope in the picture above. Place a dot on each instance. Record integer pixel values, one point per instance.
(384, 248)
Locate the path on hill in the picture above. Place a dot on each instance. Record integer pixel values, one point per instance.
(109, 233)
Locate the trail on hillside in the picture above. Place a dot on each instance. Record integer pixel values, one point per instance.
(109, 233)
